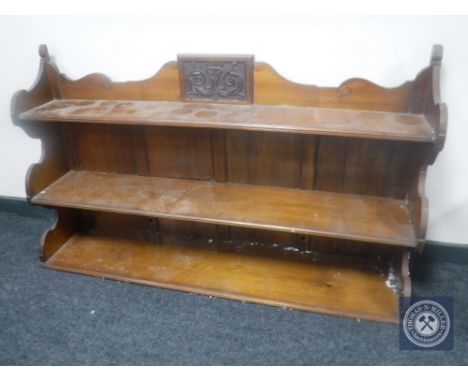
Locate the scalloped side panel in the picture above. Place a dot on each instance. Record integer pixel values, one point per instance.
(53, 162)
(37, 94)
(65, 223)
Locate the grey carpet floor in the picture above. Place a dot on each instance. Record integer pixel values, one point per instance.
(56, 318)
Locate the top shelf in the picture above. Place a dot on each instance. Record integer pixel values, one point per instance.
(292, 119)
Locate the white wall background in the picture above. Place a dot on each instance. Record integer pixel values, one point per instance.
(316, 50)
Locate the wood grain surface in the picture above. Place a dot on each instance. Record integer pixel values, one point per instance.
(304, 120)
(334, 285)
(338, 215)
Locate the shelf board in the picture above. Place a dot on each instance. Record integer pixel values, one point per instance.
(336, 215)
(292, 119)
(319, 283)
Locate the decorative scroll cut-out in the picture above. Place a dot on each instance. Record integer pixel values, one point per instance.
(216, 78)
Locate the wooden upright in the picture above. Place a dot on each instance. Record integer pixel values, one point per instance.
(219, 176)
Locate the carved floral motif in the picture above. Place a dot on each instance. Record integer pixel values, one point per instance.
(215, 80)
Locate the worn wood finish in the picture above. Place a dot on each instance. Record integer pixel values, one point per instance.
(304, 120)
(339, 215)
(270, 88)
(343, 286)
(330, 177)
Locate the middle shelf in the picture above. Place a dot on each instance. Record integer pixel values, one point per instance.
(336, 215)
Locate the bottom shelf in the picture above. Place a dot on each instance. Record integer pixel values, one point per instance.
(351, 287)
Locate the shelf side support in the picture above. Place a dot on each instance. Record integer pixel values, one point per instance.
(65, 225)
(426, 100)
(53, 161)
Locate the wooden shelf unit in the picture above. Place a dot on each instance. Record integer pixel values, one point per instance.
(220, 177)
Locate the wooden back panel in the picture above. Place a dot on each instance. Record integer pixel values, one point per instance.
(367, 167)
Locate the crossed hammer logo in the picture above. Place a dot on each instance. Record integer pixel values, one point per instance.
(427, 322)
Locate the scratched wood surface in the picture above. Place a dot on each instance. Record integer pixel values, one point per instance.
(372, 219)
(305, 120)
(343, 286)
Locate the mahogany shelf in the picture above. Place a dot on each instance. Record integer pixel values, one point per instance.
(338, 215)
(219, 176)
(327, 284)
(304, 120)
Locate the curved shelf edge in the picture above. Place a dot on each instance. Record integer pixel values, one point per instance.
(51, 166)
(270, 87)
(107, 81)
(260, 65)
(64, 226)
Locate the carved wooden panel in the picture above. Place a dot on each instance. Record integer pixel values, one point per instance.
(216, 78)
